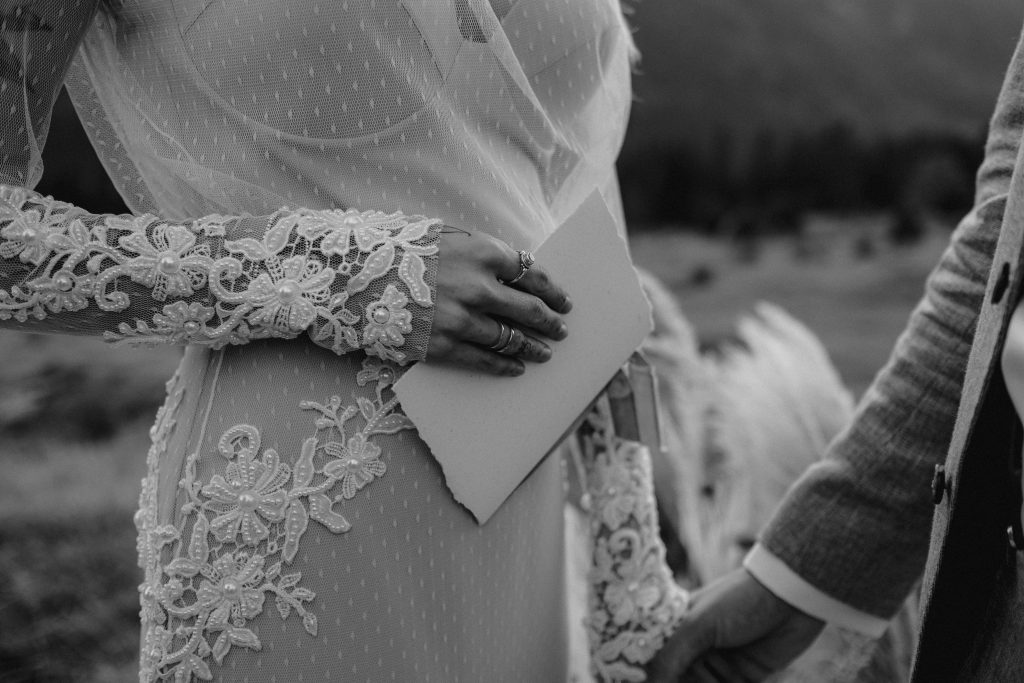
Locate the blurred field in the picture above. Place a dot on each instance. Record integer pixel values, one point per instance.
(856, 304)
(74, 415)
(74, 421)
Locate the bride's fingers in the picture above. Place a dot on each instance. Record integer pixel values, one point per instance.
(701, 672)
(523, 346)
(502, 344)
(536, 281)
(504, 339)
(526, 311)
(476, 358)
(732, 669)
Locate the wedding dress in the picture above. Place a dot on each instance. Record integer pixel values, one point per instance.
(289, 164)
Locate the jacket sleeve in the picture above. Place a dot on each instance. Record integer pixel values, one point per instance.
(856, 525)
(350, 279)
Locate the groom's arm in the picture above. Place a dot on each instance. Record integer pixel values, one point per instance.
(851, 537)
(772, 573)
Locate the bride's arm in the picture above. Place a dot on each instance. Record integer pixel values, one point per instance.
(350, 279)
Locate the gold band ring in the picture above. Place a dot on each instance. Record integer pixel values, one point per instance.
(504, 335)
(516, 343)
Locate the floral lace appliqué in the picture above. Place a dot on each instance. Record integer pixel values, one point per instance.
(634, 603)
(204, 282)
(209, 575)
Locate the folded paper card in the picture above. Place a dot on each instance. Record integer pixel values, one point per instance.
(488, 432)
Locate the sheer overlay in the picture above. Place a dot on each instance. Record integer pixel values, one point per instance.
(288, 164)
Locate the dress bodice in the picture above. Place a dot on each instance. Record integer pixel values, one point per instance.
(500, 116)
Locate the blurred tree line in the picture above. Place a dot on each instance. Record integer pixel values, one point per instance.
(745, 188)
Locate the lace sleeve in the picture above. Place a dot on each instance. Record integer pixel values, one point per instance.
(351, 279)
(634, 603)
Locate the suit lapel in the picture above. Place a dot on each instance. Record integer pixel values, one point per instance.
(968, 543)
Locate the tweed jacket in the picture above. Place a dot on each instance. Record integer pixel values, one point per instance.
(932, 441)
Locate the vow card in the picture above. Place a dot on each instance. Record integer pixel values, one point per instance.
(489, 432)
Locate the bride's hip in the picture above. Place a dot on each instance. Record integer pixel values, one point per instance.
(314, 423)
(285, 430)
(290, 504)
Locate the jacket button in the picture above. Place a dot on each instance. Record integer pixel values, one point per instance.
(1002, 283)
(939, 484)
(1012, 538)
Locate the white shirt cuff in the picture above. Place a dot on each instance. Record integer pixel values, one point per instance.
(788, 585)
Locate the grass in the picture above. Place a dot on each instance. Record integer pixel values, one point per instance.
(74, 421)
(68, 601)
(77, 387)
(68, 605)
(56, 481)
(857, 307)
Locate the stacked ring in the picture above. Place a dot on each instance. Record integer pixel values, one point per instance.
(526, 261)
(504, 337)
(516, 343)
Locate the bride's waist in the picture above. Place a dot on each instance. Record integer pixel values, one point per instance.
(277, 372)
(467, 181)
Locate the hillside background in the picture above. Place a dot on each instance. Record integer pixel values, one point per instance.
(768, 109)
(883, 67)
(810, 152)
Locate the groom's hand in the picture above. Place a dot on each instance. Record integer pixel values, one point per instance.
(735, 630)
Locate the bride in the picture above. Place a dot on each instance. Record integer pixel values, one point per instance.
(323, 191)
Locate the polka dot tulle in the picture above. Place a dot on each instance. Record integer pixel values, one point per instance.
(408, 588)
(292, 525)
(499, 116)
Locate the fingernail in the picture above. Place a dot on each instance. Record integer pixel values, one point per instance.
(517, 370)
(563, 331)
(567, 305)
(545, 354)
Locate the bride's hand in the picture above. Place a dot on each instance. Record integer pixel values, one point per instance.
(472, 306)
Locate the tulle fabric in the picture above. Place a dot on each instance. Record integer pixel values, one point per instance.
(292, 525)
(497, 115)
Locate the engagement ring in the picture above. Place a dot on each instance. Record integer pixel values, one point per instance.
(526, 260)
